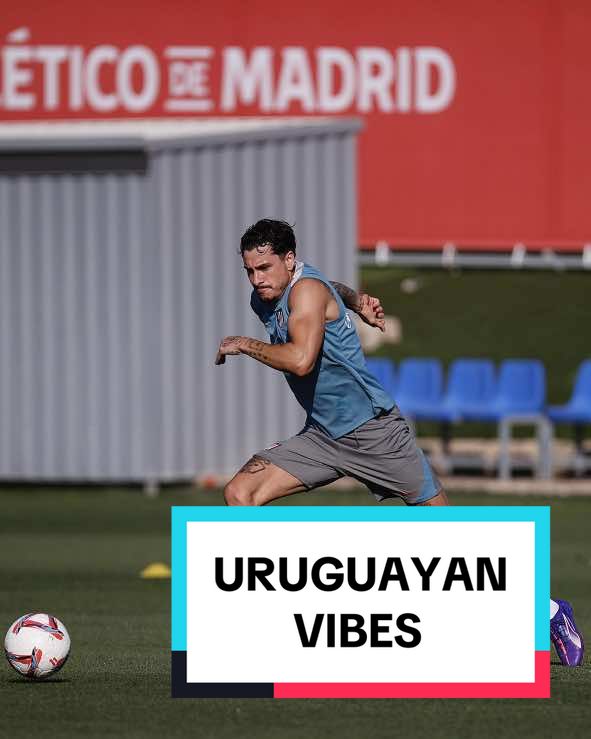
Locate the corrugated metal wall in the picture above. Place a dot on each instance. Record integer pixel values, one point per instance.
(115, 290)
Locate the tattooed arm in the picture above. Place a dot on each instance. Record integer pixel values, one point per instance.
(367, 308)
(349, 296)
(308, 301)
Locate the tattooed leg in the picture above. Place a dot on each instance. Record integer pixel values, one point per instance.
(258, 482)
(255, 464)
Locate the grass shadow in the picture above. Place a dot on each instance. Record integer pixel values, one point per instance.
(27, 681)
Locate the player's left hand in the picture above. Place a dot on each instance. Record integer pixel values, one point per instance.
(229, 345)
(371, 311)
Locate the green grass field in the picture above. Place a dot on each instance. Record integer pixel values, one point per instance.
(77, 554)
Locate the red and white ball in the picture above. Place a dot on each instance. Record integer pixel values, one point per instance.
(37, 645)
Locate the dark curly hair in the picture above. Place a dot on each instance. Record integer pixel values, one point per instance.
(278, 234)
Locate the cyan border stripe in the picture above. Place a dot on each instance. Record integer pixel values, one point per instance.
(359, 513)
(542, 580)
(539, 515)
(180, 516)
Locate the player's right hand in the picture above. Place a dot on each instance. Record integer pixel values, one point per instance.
(229, 345)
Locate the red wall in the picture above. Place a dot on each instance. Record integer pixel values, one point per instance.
(504, 156)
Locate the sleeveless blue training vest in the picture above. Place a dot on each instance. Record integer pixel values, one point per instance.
(340, 394)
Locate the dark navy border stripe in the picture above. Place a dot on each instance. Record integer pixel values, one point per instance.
(182, 689)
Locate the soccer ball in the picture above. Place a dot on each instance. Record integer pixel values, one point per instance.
(37, 645)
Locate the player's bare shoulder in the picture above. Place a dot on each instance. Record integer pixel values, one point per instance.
(308, 292)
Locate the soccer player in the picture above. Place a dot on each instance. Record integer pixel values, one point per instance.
(353, 427)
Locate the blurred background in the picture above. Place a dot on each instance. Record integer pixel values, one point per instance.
(434, 154)
(440, 160)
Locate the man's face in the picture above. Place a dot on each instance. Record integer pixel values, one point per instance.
(268, 273)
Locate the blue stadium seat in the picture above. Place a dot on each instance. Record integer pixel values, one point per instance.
(420, 387)
(578, 408)
(471, 386)
(384, 371)
(521, 390)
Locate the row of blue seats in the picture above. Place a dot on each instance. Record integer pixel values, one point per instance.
(475, 391)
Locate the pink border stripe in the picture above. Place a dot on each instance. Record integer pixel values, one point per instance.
(538, 689)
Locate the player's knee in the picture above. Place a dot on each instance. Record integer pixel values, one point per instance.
(237, 494)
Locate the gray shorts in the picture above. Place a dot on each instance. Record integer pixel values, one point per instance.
(382, 454)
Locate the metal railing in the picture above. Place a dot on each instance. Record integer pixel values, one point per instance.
(449, 256)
